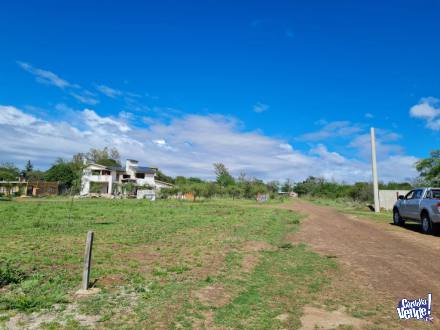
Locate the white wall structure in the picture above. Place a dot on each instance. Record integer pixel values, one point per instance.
(108, 176)
(146, 194)
(387, 198)
(99, 174)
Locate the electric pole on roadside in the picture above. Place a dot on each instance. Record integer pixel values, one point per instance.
(374, 168)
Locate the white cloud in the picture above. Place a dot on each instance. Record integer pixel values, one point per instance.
(429, 111)
(260, 107)
(49, 78)
(333, 157)
(161, 143)
(94, 121)
(369, 115)
(187, 145)
(45, 77)
(85, 98)
(286, 146)
(108, 91)
(62, 107)
(384, 147)
(332, 130)
(11, 116)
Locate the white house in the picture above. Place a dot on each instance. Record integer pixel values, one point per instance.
(109, 180)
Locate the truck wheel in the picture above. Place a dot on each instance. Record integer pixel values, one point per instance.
(426, 224)
(397, 219)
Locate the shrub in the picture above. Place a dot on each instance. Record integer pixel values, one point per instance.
(10, 275)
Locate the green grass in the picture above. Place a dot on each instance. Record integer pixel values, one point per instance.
(150, 260)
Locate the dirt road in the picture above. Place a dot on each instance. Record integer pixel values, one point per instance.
(388, 261)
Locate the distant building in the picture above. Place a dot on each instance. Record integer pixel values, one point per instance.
(117, 180)
(289, 194)
(28, 188)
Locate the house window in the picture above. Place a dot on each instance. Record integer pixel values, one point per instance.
(96, 172)
(126, 176)
(106, 173)
(140, 175)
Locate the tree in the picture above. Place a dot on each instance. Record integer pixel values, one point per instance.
(64, 172)
(79, 158)
(210, 189)
(224, 179)
(104, 157)
(197, 189)
(166, 193)
(241, 177)
(163, 177)
(180, 180)
(28, 167)
(234, 191)
(429, 168)
(287, 186)
(9, 172)
(258, 187)
(129, 188)
(362, 192)
(273, 186)
(35, 175)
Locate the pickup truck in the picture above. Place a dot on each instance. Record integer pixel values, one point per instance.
(419, 205)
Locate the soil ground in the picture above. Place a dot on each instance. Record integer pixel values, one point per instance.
(386, 262)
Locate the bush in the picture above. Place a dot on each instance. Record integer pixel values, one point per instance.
(10, 275)
(358, 192)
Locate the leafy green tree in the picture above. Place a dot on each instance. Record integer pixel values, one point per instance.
(106, 156)
(273, 187)
(9, 172)
(197, 189)
(180, 180)
(361, 192)
(429, 168)
(224, 178)
(35, 175)
(64, 172)
(168, 192)
(164, 178)
(235, 191)
(129, 188)
(28, 167)
(95, 187)
(194, 180)
(32, 174)
(287, 186)
(258, 187)
(211, 189)
(396, 185)
(246, 188)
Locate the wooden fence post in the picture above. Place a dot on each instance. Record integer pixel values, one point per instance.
(87, 261)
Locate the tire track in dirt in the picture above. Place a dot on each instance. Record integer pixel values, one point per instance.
(388, 261)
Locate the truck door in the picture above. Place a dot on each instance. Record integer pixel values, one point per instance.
(403, 209)
(413, 204)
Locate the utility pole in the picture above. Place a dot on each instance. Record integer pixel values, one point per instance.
(374, 168)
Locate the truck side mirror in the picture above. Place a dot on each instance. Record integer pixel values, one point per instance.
(401, 197)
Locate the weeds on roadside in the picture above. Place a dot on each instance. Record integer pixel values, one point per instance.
(10, 274)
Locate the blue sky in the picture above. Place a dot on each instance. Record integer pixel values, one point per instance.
(274, 88)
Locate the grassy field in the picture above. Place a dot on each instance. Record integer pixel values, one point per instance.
(167, 264)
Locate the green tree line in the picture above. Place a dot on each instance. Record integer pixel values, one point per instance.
(68, 173)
